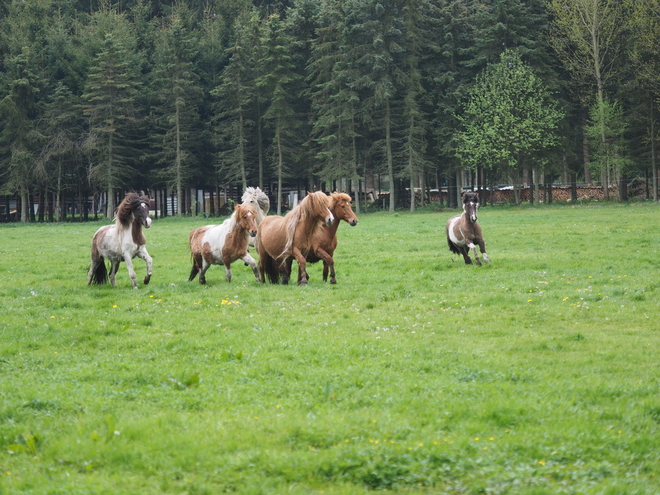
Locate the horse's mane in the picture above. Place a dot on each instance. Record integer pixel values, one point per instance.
(310, 203)
(126, 207)
(336, 197)
(238, 212)
(259, 199)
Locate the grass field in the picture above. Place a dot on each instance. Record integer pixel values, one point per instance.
(535, 374)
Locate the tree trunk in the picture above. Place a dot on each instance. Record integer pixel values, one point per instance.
(388, 149)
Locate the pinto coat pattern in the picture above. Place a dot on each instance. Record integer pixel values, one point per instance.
(122, 241)
(464, 233)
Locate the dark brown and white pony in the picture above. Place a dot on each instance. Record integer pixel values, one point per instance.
(464, 233)
(280, 240)
(325, 241)
(122, 241)
(224, 243)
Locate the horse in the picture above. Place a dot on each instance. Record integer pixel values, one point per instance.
(324, 242)
(259, 200)
(280, 240)
(224, 243)
(464, 233)
(122, 241)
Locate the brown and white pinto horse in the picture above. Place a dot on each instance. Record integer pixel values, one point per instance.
(281, 239)
(324, 242)
(224, 243)
(464, 233)
(122, 241)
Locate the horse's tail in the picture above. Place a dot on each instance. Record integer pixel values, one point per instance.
(193, 272)
(100, 274)
(271, 269)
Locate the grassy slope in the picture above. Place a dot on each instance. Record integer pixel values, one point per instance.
(537, 373)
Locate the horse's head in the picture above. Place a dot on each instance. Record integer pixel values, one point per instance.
(141, 211)
(320, 206)
(341, 207)
(246, 218)
(470, 205)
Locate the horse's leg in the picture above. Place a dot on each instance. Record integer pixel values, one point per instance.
(249, 260)
(114, 266)
(202, 271)
(482, 247)
(474, 250)
(142, 254)
(302, 266)
(285, 270)
(131, 270)
(328, 265)
(466, 254)
(92, 269)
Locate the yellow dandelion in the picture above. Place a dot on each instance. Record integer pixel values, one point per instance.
(542, 463)
(565, 299)
(114, 305)
(224, 301)
(151, 296)
(52, 317)
(485, 448)
(476, 439)
(529, 300)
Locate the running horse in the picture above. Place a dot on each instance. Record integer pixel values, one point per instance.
(464, 233)
(223, 244)
(325, 240)
(228, 242)
(280, 240)
(122, 241)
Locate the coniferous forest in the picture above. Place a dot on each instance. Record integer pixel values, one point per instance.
(101, 97)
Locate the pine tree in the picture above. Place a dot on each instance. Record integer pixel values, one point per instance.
(276, 79)
(177, 115)
(110, 95)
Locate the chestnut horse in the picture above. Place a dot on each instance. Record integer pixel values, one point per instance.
(224, 243)
(325, 240)
(122, 241)
(281, 239)
(464, 233)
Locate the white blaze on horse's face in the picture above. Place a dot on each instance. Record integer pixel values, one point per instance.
(470, 208)
(147, 221)
(330, 219)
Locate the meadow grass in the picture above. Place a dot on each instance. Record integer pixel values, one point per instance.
(535, 374)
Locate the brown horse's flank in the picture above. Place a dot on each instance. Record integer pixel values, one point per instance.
(464, 233)
(325, 241)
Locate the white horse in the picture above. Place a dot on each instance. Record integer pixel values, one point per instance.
(122, 241)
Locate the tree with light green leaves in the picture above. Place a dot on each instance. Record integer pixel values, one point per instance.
(508, 117)
(605, 129)
(588, 38)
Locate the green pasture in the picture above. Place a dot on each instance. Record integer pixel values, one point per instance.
(536, 374)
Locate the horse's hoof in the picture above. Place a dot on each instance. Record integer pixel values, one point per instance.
(333, 281)
(146, 280)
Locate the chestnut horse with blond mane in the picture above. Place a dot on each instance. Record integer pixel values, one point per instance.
(122, 241)
(325, 240)
(280, 240)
